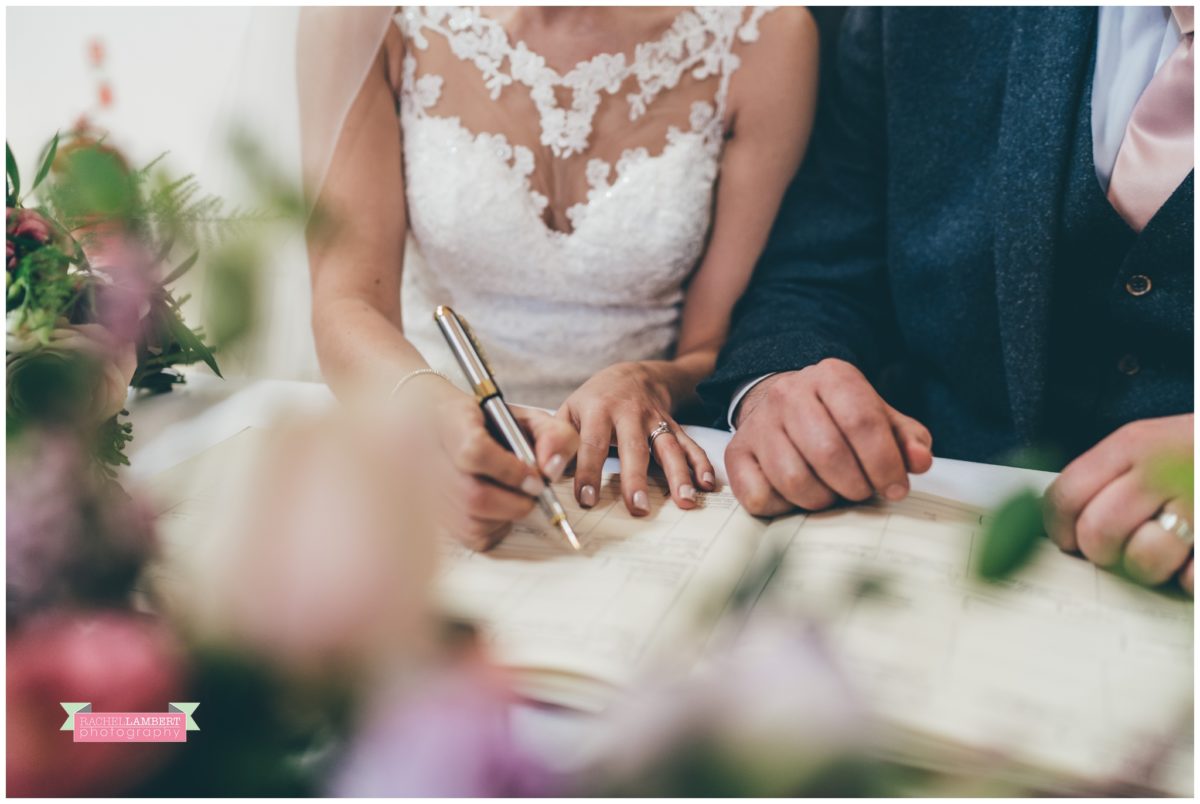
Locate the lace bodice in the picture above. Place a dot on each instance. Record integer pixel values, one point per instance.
(560, 213)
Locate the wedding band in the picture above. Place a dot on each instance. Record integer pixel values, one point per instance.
(1176, 524)
(662, 429)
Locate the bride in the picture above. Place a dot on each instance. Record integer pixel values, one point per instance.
(589, 187)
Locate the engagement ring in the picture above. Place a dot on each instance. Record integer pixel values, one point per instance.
(662, 428)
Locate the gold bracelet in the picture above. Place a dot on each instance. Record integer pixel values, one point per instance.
(412, 375)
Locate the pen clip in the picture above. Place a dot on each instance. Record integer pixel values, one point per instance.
(479, 350)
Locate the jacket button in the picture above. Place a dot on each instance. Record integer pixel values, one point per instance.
(1138, 285)
(1129, 365)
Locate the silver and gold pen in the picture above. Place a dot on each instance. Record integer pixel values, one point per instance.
(474, 365)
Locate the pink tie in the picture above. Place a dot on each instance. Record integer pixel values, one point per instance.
(1156, 154)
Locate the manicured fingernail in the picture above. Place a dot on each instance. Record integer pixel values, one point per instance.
(708, 479)
(532, 486)
(641, 502)
(895, 492)
(555, 466)
(687, 492)
(587, 496)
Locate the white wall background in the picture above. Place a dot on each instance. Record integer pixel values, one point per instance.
(179, 76)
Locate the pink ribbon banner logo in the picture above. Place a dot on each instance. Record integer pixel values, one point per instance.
(171, 726)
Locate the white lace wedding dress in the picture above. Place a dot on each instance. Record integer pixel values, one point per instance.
(561, 214)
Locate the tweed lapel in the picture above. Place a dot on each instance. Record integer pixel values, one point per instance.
(1047, 70)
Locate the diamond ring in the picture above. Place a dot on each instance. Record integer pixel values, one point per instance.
(662, 429)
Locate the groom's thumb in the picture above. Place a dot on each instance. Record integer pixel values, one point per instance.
(914, 439)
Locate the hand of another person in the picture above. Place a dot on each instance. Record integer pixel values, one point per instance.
(1106, 503)
(486, 487)
(628, 399)
(808, 438)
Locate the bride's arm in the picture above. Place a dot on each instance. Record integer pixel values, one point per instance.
(357, 258)
(771, 107)
(773, 101)
(356, 261)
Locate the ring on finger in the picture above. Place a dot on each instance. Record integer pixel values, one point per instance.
(663, 428)
(1175, 523)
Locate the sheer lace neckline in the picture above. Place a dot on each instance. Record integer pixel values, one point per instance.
(698, 40)
(570, 76)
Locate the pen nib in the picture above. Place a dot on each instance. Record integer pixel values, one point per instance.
(569, 532)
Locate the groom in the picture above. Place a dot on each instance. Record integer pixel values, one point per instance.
(994, 233)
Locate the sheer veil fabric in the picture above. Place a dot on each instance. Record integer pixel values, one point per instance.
(335, 48)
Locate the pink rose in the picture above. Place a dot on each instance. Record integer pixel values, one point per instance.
(28, 223)
(118, 662)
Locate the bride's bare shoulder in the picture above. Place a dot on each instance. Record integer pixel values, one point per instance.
(777, 37)
(779, 53)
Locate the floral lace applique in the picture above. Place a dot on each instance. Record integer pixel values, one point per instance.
(699, 41)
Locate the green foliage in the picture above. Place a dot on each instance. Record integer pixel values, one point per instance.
(1011, 536)
(111, 439)
(12, 177)
(1175, 475)
(47, 162)
(85, 189)
(255, 727)
(233, 295)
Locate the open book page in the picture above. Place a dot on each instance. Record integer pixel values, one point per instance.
(579, 625)
(1065, 668)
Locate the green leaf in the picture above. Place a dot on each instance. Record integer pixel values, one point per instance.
(14, 176)
(44, 170)
(183, 268)
(1011, 536)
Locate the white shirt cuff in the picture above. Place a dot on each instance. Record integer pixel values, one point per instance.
(737, 398)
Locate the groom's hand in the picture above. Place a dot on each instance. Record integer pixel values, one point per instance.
(808, 438)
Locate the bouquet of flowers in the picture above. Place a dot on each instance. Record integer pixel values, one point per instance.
(90, 262)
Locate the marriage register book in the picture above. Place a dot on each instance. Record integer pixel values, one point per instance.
(1064, 668)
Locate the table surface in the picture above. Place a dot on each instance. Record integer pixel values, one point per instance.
(170, 428)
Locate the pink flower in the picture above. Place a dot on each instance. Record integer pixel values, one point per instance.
(118, 662)
(11, 254)
(450, 736)
(321, 558)
(28, 223)
(773, 708)
(73, 538)
(127, 271)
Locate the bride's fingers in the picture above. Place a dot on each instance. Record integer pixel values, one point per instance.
(674, 463)
(702, 468)
(595, 434)
(555, 440)
(633, 450)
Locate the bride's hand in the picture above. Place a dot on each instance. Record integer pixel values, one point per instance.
(485, 487)
(631, 400)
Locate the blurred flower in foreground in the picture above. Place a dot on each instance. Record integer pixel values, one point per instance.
(323, 561)
(104, 362)
(119, 663)
(74, 537)
(770, 717)
(445, 734)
